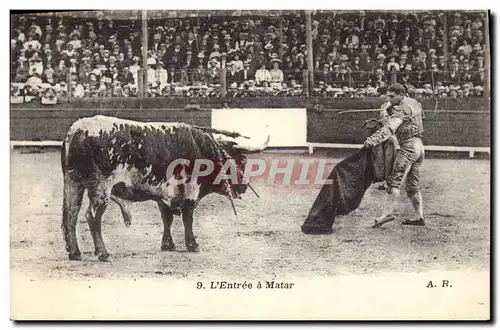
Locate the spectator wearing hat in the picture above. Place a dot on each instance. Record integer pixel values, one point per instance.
(479, 78)
(466, 90)
(112, 62)
(231, 74)
(351, 52)
(246, 74)
(465, 48)
(121, 62)
(352, 38)
(262, 74)
(324, 43)
(392, 65)
(215, 53)
(379, 37)
(379, 77)
(453, 77)
(191, 44)
(403, 60)
(32, 44)
(75, 41)
(19, 34)
(404, 79)
(188, 64)
(199, 75)
(155, 43)
(35, 64)
(479, 62)
(115, 75)
(437, 75)
(453, 92)
(70, 51)
(151, 73)
(276, 73)
(237, 62)
(333, 58)
(175, 63)
(339, 76)
(213, 72)
(125, 77)
(34, 81)
(421, 78)
(441, 91)
(129, 58)
(84, 71)
(73, 69)
(380, 62)
(367, 65)
(60, 71)
(134, 69)
(325, 75)
(227, 45)
(48, 74)
(441, 65)
(161, 75)
(478, 91)
(318, 62)
(78, 90)
(47, 57)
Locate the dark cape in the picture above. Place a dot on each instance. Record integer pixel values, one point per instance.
(350, 180)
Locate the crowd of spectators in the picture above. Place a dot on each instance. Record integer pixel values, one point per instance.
(354, 54)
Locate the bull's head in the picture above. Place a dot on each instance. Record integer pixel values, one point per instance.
(237, 151)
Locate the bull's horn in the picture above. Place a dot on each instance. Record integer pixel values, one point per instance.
(250, 150)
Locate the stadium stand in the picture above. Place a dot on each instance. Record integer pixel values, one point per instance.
(96, 54)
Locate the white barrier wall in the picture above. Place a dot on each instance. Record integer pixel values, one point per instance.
(286, 127)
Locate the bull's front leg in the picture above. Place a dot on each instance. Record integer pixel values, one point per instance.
(167, 243)
(187, 217)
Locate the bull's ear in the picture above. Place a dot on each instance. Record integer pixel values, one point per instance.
(226, 144)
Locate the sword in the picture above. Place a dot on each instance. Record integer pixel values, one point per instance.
(355, 111)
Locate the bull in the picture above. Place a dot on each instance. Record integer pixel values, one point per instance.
(127, 161)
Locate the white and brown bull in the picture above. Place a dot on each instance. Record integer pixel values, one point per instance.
(128, 161)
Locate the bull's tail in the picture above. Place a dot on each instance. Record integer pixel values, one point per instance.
(72, 191)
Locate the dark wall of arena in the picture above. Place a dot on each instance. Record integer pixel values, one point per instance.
(470, 103)
(43, 124)
(455, 128)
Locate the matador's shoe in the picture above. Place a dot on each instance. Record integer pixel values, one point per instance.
(419, 222)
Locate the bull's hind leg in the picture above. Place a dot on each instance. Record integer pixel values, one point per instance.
(98, 202)
(167, 243)
(72, 201)
(187, 218)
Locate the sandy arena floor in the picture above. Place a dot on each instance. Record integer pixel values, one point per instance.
(264, 239)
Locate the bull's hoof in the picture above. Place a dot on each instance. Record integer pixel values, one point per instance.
(176, 211)
(168, 247)
(317, 230)
(103, 257)
(193, 247)
(75, 256)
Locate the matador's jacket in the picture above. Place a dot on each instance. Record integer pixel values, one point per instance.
(410, 112)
